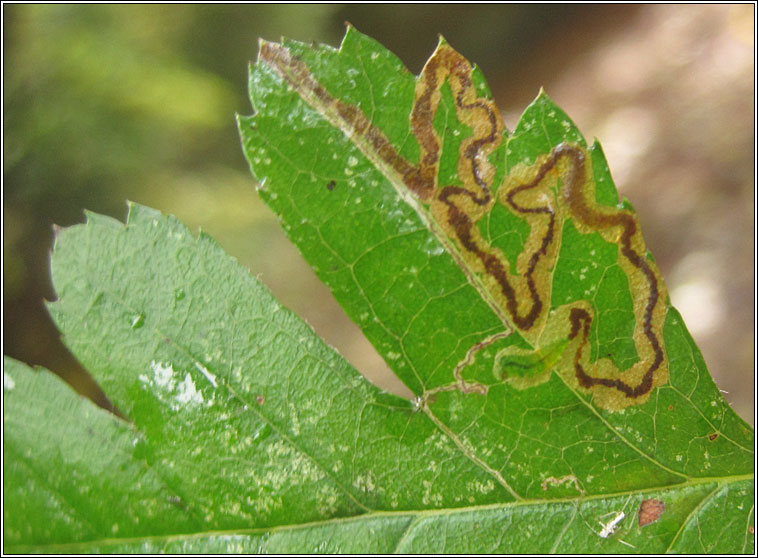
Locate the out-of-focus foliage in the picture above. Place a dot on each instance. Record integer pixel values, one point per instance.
(108, 103)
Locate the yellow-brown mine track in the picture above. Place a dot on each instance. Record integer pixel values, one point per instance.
(557, 187)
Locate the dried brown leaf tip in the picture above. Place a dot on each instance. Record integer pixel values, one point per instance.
(650, 511)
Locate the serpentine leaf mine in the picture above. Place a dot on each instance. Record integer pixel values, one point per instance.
(553, 195)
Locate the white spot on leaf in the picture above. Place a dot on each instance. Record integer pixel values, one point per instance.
(365, 483)
(610, 527)
(204, 370)
(187, 392)
(163, 375)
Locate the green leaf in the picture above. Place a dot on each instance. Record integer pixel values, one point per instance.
(247, 434)
(341, 143)
(67, 462)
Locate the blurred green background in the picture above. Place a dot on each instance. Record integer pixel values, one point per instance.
(108, 103)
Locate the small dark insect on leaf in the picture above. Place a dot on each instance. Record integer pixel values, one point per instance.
(713, 436)
(330, 185)
(177, 501)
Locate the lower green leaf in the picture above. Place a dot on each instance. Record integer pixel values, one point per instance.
(72, 471)
(248, 434)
